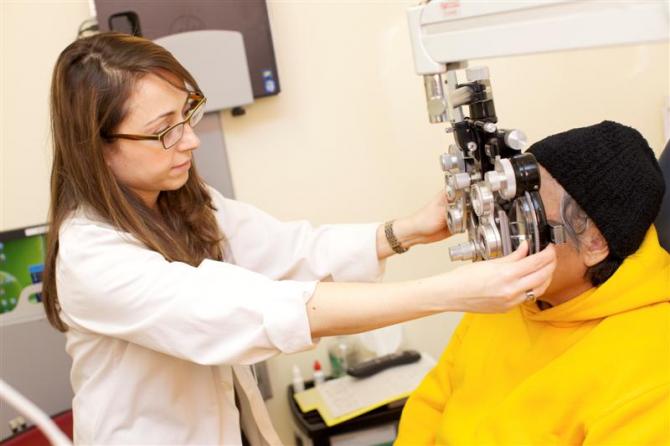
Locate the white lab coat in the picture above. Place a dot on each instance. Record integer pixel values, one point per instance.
(158, 347)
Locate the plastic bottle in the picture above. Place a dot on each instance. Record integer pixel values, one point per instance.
(342, 354)
(298, 383)
(319, 377)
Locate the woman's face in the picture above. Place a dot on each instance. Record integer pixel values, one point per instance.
(145, 166)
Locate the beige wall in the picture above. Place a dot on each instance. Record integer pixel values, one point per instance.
(33, 34)
(347, 139)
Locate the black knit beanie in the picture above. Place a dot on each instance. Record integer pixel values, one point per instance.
(611, 171)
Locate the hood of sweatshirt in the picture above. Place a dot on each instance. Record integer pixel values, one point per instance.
(643, 279)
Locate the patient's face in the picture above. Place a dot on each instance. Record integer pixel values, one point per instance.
(568, 279)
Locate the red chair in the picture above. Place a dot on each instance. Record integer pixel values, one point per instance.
(34, 437)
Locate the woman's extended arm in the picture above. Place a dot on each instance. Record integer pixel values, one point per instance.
(485, 287)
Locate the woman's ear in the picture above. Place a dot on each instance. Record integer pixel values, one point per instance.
(594, 247)
(107, 153)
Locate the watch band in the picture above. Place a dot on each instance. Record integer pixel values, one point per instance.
(393, 241)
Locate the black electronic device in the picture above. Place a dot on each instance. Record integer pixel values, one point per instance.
(160, 18)
(376, 365)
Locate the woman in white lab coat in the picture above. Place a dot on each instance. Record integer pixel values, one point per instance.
(167, 291)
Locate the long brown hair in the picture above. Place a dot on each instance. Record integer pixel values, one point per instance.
(92, 82)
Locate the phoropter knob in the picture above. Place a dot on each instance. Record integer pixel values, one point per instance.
(456, 219)
(516, 139)
(448, 161)
(483, 202)
(464, 251)
(455, 182)
(502, 179)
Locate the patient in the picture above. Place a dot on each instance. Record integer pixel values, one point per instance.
(590, 362)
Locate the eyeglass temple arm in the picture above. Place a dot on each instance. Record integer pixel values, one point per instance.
(135, 137)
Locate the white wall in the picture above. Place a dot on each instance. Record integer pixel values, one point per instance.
(347, 139)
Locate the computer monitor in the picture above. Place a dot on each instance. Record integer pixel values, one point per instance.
(22, 254)
(32, 353)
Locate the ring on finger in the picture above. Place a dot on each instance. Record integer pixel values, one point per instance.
(530, 296)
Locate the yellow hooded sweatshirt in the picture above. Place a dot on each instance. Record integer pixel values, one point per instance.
(594, 370)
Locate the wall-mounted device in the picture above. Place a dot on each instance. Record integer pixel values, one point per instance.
(160, 18)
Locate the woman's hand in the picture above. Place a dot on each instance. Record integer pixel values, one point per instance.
(499, 285)
(427, 225)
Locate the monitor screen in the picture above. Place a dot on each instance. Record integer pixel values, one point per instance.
(22, 253)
